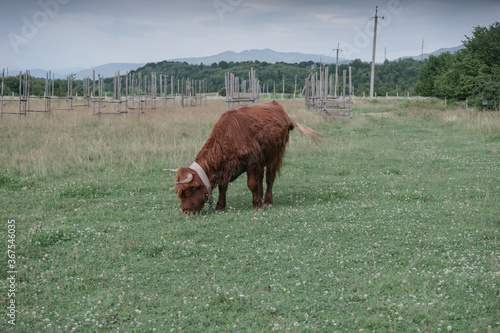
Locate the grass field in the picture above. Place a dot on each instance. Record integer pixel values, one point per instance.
(390, 224)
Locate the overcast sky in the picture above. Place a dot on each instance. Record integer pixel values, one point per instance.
(63, 34)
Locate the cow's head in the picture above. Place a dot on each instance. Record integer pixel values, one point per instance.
(190, 190)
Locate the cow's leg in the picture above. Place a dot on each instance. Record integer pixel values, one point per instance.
(221, 202)
(255, 178)
(271, 171)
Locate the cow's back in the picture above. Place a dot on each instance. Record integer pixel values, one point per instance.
(251, 134)
(265, 123)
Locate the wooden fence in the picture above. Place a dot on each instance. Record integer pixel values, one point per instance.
(141, 93)
(321, 94)
(241, 92)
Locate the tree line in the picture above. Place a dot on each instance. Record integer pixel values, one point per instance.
(397, 76)
(473, 72)
(37, 86)
(391, 77)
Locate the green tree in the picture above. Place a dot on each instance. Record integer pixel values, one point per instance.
(433, 68)
(223, 64)
(484, 50)
(485, 44)
(471, 72)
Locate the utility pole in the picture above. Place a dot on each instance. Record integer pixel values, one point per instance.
(422, 54)
(337, 71)
(372, 80)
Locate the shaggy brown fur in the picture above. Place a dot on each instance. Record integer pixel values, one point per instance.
(249, 139)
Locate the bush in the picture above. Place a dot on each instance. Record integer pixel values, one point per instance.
(222, 92)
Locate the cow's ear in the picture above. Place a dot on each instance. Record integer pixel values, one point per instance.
(171, 170)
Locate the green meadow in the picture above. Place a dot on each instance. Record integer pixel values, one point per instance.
(390, 224)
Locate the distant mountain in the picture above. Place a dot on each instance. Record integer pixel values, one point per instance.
(266, 55)
(108, 70)
(33, 72)
(436, 53)
(270, 56)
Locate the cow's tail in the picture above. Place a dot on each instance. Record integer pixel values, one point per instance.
(312, 134)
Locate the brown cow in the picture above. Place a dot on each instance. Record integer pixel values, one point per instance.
(249, 139)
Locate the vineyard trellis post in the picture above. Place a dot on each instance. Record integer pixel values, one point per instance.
(23, 93)
(140, 93)
(318, 94)
(236, 94)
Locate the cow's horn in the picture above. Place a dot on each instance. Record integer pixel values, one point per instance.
(189, 179)
(171, 170)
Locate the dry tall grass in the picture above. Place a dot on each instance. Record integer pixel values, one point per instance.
(471, 118)
(65, 142)
(61, 142)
